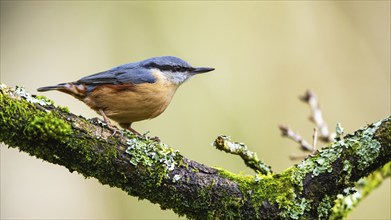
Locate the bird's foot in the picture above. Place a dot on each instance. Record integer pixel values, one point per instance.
(143, 136)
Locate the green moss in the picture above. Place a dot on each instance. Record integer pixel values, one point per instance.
(43, 100)
(344, 204)
(10, 108)
(47, 127)
(18, 103)
(275, 188)
(94, 157)
(291, 205)
(195, 170)
(280, 189)
(88, 156)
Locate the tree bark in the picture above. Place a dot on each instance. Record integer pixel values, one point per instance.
(151, 170)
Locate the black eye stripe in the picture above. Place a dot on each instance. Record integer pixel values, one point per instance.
(173, 68)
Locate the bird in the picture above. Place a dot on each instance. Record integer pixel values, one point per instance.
(131, 92)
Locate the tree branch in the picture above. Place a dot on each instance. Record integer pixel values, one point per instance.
(150, 170)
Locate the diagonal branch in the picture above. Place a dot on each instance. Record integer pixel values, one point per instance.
(150, 170)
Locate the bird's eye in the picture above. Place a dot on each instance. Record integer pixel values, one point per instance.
(177, 69)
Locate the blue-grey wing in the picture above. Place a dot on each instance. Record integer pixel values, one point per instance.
(120, 75)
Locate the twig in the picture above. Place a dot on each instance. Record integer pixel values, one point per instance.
(287, 132)
(250, 158)
(317, 117)
(314, 138)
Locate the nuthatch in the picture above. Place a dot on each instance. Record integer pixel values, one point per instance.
(131, 92)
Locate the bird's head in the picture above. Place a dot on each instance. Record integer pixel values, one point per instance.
(173, 69)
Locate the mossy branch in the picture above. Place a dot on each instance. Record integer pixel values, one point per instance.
(151, 170)
(250, 158)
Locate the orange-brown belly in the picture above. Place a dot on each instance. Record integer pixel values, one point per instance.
(130, 103)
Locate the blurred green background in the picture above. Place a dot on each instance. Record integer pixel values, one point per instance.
(265, 53)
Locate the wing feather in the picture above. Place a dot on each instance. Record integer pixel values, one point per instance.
(125, 74)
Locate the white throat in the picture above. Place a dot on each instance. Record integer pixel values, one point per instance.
(175, 77)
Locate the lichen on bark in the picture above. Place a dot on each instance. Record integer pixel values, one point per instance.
(150, 170)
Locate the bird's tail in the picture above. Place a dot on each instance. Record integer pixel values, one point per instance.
(74, 89)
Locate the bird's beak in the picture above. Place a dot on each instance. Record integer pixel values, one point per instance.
(202, 70)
